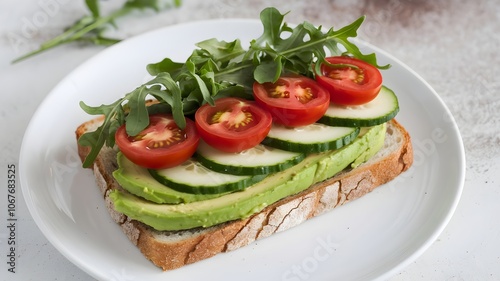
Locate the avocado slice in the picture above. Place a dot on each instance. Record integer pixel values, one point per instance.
(242, 204)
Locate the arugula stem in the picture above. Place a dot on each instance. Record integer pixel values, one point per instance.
(54, 42)
(76, 32)
(62, 37)
(99, 22)
(306, 46)
(241, 66)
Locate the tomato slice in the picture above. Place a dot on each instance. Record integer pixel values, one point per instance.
(292, 101)
(161, 145)
(351, 82)
(233, 124)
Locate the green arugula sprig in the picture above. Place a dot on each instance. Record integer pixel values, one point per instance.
(90, 28)
(218, 69)
(301, 49)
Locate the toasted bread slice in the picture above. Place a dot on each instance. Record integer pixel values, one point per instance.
(174, 249)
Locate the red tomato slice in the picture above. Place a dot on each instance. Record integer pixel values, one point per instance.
(292, 101)
(233, 124)
(161, 145)
(350, 85)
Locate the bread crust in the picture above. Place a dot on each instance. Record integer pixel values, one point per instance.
(173, 249)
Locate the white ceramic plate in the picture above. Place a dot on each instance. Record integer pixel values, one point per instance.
(373, 237)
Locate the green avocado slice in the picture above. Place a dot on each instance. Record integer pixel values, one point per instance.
(242, 204)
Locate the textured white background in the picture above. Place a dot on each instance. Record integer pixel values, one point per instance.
(452, 44)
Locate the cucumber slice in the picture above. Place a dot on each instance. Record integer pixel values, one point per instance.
(258, 160)
(380, 110)
(137, 180)
(192, 177)
(311, 138)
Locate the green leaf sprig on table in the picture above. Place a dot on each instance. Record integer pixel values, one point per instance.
(90, 28)
(218, 69)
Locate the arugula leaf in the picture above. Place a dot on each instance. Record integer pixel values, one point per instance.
(221, 51)
(218, 69)
(166, 65)
(138, 117)
(143, 4)
(171, 95)
(104, 134)
(201, 85)
(151, 4)
(272, 21)
(93, 6)
(269, 70)
(89, 28)
(303, 48)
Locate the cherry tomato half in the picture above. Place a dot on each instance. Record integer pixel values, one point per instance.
(292, 101)
(349, 85)
(233, 124)
(161, 145)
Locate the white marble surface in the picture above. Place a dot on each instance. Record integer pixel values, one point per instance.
(451, 44)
